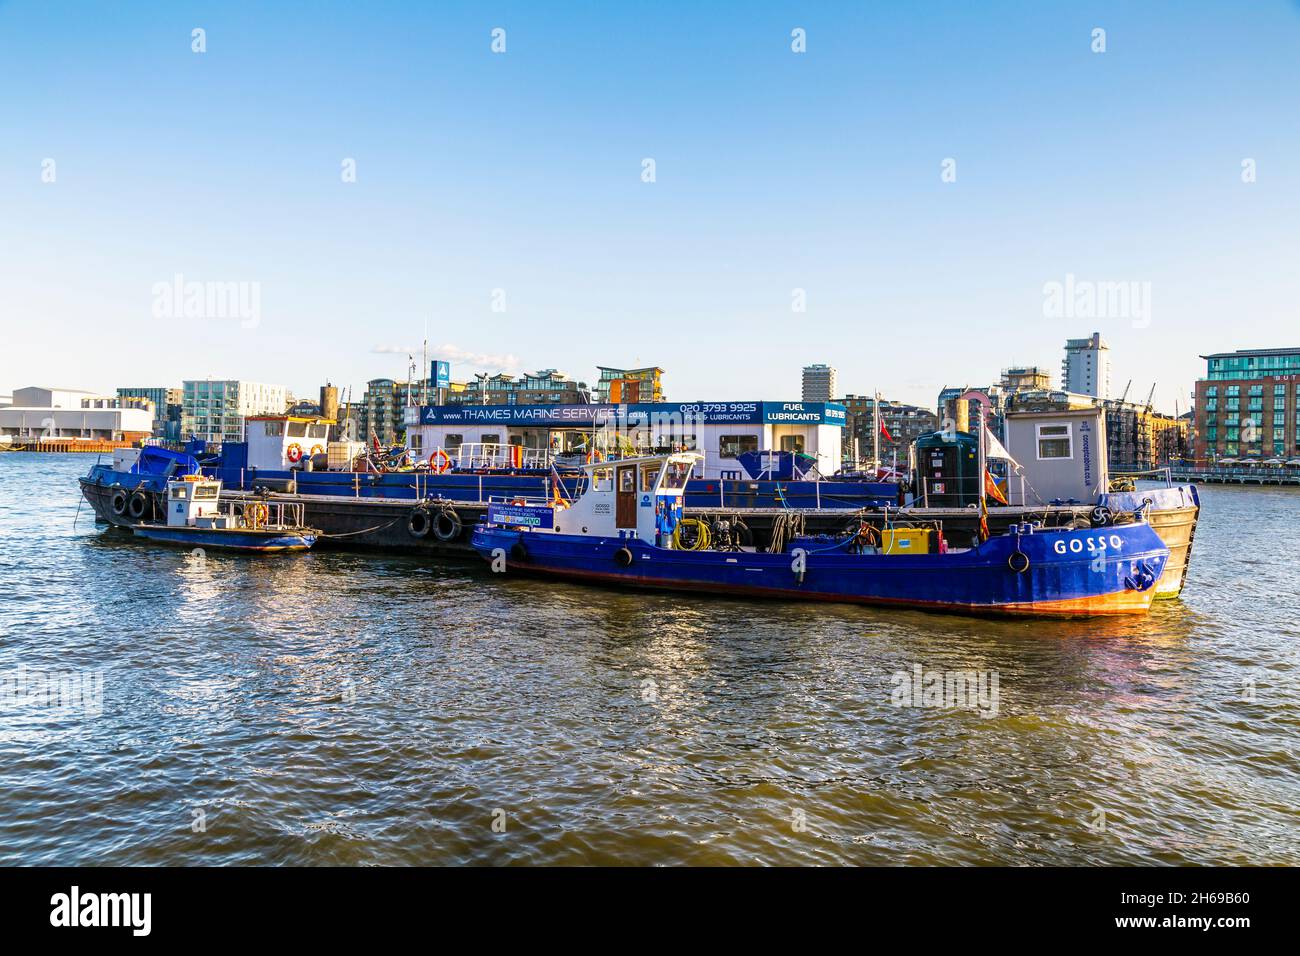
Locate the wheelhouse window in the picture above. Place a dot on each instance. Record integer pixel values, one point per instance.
(648, 475)
(729, 446)
(274, 429)
(297, 429)
(792, 443)
(1054, 441)
(675, 475)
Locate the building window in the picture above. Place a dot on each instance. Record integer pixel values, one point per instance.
(1054, 441)
(729, 446)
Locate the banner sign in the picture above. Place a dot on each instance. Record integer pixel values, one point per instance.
(523, 516)
(643, 414)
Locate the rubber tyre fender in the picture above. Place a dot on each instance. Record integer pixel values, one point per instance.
(1018, 561)
(138, 505)
(118, 502)
(623, 558)
(447, 525)
(518, 552)
(418, 523)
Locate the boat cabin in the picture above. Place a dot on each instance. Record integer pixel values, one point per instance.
(286, 442)
(722, 432)
(195, 502)
(633, 497)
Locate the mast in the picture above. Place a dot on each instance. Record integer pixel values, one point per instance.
(875, 432)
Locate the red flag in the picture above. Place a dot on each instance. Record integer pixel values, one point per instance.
(885, 431)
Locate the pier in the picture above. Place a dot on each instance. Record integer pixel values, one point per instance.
(1256, 475)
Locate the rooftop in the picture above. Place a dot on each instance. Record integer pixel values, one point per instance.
(1248, 352)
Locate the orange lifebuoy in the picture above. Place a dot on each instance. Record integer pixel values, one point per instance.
(294, 453)
(439, 461)
(317, 450)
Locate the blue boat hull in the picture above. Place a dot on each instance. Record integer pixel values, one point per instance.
(1101, 572)
(233, 539)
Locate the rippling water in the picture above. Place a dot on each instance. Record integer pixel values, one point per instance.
(337, 708)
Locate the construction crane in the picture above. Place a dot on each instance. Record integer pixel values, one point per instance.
(1150, 395)
(1126, 388)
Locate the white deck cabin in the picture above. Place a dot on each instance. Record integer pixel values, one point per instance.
(285, 442)
(626, 498)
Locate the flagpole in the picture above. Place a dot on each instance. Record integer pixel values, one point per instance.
(875, 434)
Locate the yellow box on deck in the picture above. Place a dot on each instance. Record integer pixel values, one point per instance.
(905, 540)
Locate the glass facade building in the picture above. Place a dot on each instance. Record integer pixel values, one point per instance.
(1246, 405)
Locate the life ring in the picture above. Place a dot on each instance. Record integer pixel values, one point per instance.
(439, 462)
(623, 558)
(138, 504)
(118, 502)
(317, 450)
(255, 514)
(294, 453)
(1018, 561)
(418, 523)
(447, 525)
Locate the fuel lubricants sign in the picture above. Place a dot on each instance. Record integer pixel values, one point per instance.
(521, 516)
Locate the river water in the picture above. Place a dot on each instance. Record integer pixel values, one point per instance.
(347, 708)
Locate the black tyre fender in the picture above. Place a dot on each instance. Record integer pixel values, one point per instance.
(518, 552)
(623, 558)
(1018, 561)
(118, 502)
(447, 525)
(418, 523)
(138, 505)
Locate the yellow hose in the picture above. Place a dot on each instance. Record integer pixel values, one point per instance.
(701, 542)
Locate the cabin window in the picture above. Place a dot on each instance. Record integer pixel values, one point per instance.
(452, 443)
(730, 446)
(1054, 442)
(675, 475)
(297, 429)
(648, 475)
(602, 479)
(205, 491)
(417, 444)
(626, 480)
(274, 429)
(792, 443)
(178, 493)
(490, 439)
(319, 431)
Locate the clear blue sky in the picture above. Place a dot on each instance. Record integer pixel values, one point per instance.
(522, 171)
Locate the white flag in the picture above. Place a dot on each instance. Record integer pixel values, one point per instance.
(994, 448)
